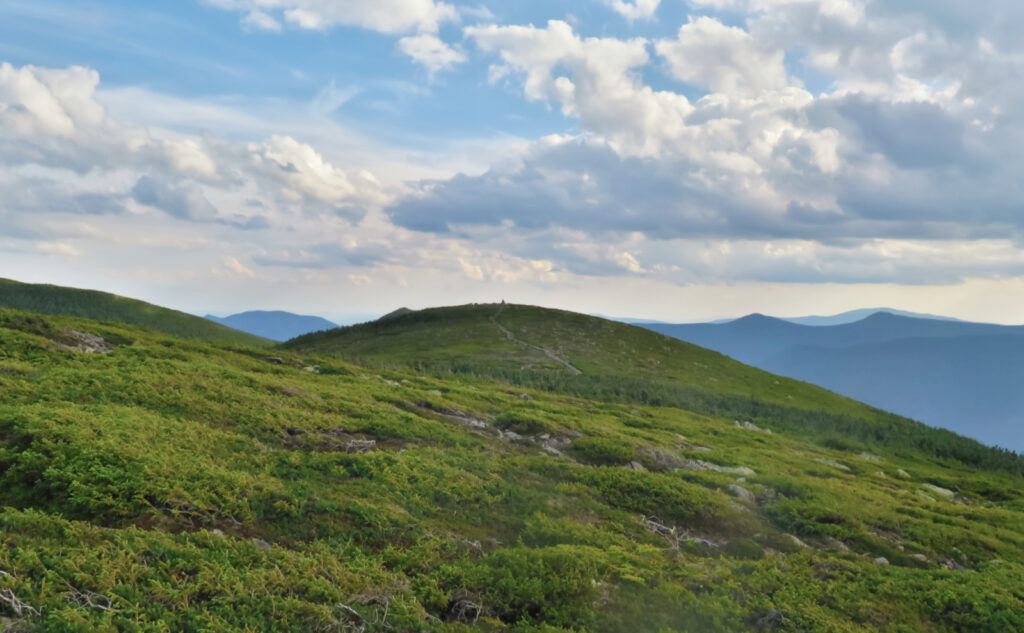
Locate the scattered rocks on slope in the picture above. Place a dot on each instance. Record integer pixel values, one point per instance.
(945, 493)
(455, 415)
(742, 493)
(749, 426)
(361, 446)
(834, 464)
(663, 460)
(78, 341)
(796, 541)
(696, 464)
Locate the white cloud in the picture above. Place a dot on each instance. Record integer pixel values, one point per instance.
(38, 101)
(635, 9)
(386, 16)
(593, 79)
(724, 59)
(430, 52)
(260, 21)
(50, 118)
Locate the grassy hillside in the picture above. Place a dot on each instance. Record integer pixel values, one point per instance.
(507, 338)
(594, 358)
(170, 485)
(92, 304)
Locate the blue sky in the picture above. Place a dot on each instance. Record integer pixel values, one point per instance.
(703, 158)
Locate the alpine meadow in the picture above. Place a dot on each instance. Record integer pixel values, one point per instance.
(470, 316)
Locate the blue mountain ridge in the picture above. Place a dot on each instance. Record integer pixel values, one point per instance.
(958, 375)
(276, 325)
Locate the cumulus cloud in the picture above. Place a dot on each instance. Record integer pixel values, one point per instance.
(301, 174)
(723, 59)
(50, 119)
(848, 140)
(386, 16)
(430, 52)
(914, 144)
(592, 79)
(635, 10)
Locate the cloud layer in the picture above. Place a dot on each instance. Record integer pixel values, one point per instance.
(754, 141)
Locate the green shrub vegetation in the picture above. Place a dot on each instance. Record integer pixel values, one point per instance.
(102, 306)
(460, 479)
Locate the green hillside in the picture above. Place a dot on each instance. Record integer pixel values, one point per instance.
(103, 306)
(502, 339)
(163, 484)
(595, 358)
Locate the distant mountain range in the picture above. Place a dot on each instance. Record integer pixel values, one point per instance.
(835, 319)
(857, 315)
(275, 325)
(955, 374)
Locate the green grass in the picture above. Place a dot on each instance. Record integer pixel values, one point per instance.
(174, 485)
(102, 306)
(624, 363)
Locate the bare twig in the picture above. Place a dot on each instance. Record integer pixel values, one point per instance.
(90, 600)
(20, 608)
(672, 535)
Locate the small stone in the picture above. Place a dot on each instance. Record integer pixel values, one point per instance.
(881, 560)
(903, 473)
(920, 557)
(216, 532)
(634, 465)
(742, 493)
(796, 541)
(834, 464)
(275, 360)
(262, 545)
(942, 492)
(525, 396)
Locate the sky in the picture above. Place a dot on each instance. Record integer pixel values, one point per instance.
(680, 160)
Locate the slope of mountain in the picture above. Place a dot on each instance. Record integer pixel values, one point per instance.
(500, 339)
(952, 374)
(856, 315)
(970, 384)
(171, 485)
(92, 304)
(275, 325)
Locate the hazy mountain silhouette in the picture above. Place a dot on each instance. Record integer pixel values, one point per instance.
(276, 325)
(960, 375)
